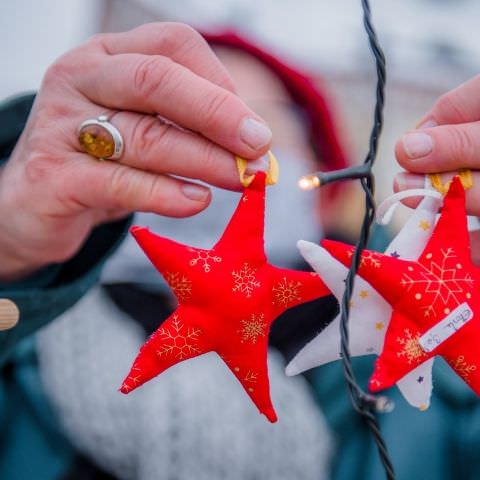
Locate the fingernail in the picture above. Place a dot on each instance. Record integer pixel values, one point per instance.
(430, 123)
(255, 134)
(259, 165)
(405, 181)
(417, 144)
(195, 192)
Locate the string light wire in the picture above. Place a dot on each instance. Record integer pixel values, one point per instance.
(365, 404)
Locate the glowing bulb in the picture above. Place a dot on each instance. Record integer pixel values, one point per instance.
(309, 182)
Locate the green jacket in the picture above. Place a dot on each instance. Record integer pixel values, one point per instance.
(31, 445)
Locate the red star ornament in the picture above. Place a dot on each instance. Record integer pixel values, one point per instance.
(436, 308)
(228, 297)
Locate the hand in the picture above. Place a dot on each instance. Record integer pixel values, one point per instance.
(52, 194)
(447, 139)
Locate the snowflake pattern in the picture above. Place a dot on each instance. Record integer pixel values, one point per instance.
(244, 280)
(253, 328)
(411, 348)
(286, 292)
(180, 284)
(462, 367)
(251, 377)
(134, 379)
(368, 258)
(179, 341)
(440, 279)
(203, 257)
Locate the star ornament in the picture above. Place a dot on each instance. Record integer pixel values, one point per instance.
(370, 313)
(228, 297)
(435, 302)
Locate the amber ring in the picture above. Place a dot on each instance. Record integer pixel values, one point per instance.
(100, 138)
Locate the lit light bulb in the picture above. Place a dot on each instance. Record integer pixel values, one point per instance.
(309, 182)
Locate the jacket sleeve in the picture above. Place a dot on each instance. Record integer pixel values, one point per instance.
(51, 291)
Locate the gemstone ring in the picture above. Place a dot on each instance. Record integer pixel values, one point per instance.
(100, 138)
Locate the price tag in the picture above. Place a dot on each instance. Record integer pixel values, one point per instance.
(443, 330)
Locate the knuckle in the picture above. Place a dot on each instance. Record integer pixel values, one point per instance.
(36, 167)
(210, 157)
(211, 111)
(56, 73)
(119, 185)
(150, 74)
(447, 106)
(147, 134)
(462, 145)
(181, 32)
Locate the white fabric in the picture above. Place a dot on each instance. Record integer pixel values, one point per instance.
(192, 422)
(370, 314)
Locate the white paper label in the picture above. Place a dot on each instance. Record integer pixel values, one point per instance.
(443, 330)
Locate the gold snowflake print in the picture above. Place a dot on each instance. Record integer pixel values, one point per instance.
(462, 367)
(411, 348)
(204, 257)
(251, 377)
(379, 325)
(244, 280)
(253, 328)
(180, 284)
(363, 294)
(367, 258)
(286, 292)
(180, 342)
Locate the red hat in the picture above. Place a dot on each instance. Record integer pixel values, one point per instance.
(307, 92)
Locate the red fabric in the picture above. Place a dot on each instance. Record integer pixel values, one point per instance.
(307, 92)
(422, 294)
(228, 298)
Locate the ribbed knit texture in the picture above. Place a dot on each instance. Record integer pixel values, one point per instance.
(192, 422)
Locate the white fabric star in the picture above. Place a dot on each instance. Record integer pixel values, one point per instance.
(370, 313)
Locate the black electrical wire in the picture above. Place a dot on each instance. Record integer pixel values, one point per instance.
(364, 403)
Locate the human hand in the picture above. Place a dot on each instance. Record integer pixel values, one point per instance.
(446, 140)
(52, 194)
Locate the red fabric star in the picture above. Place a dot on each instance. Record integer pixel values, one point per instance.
(434, 300)
(228, 298)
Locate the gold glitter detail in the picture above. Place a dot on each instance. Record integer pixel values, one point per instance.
(379, 325)
(180, 284)
(253, 328)
(411, 350)
(363, 294)
(462, 367)
(286, 292)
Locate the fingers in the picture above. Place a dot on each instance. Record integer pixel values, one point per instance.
(158, 85)
(178, 41)
(440, 149)
(114, 186)
(459, 105)
(407, 181)
(158, 147)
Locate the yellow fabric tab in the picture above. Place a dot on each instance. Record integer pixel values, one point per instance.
(465, 175)
(272, 174)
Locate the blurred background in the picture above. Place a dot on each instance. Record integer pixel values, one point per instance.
(430, 45)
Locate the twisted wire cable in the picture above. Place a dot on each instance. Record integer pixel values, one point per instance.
(364, 403)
